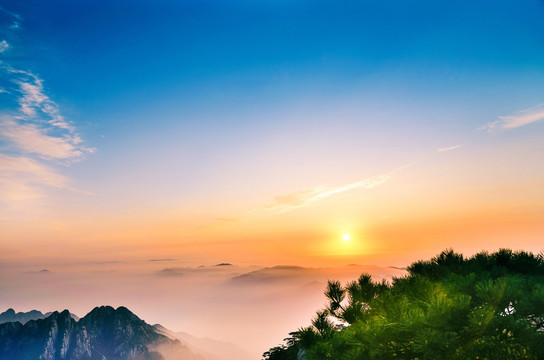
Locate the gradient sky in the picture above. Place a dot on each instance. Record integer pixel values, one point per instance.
(178, 125)
(259, 132)
(263, 131)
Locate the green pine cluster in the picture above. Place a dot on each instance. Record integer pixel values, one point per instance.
(488, 306)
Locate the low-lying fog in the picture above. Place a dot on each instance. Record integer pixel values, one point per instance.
(251, 306)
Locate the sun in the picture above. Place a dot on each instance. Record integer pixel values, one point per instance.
(346, 237)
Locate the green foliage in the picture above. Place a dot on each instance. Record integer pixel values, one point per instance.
(284, 352)
(489, 306)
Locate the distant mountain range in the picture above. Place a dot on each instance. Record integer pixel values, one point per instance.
(103, 334)
(209, 348)
(11, 316)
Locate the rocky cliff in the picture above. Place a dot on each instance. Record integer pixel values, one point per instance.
(103, 334)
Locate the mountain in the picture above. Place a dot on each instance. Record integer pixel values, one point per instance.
(11, 316)
(103, 334)
(73, 316)
(209, 348)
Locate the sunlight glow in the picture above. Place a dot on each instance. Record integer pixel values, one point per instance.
(346, 237)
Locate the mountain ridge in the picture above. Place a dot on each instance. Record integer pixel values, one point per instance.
(23, 317)
(104, 333)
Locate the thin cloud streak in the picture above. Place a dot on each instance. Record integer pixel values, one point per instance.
(521, 118)
(30, 170)
(13, 22)
(292, 201)
(23, 179)
(450, 148)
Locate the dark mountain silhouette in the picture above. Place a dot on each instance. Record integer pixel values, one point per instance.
(103, 334)
(73, 316)
(11, 316)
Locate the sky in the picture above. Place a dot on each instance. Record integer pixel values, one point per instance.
(260, 132)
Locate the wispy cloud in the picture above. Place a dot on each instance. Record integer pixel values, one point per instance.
(30, 171)
(521, 118)
(34, 102)
(295, 200)
(292, 201)
(36, 137)
(32, 139)
(23, 178)
(450, 148)
(12, 21)
(3, 46)
(38, 127)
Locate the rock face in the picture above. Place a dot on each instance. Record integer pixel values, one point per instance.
(103, 334)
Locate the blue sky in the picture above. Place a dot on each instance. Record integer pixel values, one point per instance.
(173, 52)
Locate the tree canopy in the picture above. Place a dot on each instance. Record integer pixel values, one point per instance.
(489, 306)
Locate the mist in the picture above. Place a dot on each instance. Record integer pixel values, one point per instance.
(253, 307)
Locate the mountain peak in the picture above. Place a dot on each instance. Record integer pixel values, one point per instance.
(11, 316)
(108, 313)
(102, 309)
(104, 332)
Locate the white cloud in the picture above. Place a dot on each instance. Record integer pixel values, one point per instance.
(30, 138)
(450, 148)
(288, 202)
(521, 118)
(34, 102)
(3, 46)
(292, 201)
(35, 137)
(32, 98)
(40, 129)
